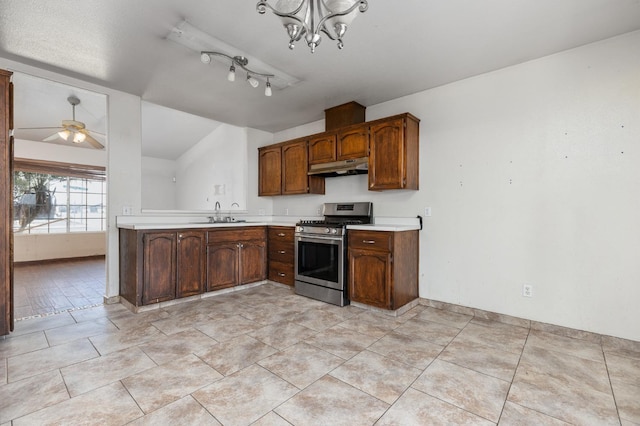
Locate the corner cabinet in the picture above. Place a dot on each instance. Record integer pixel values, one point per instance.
(283, 168)
(394, 153)
(236, 257)
(383, 268)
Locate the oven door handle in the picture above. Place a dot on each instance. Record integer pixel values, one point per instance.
(319, 239)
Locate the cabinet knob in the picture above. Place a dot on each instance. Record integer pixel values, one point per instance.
(369, 241)
(282, 274)
(281, 234)
(282, 252)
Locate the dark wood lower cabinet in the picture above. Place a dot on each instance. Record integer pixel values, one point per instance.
(190, 263)
(159, 270)
(383, 268)
(222, 265)
(281, 254)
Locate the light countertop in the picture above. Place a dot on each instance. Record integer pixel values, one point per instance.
(383, 227)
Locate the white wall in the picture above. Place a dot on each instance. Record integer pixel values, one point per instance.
(214, 170)
(29, 248)
(158, 184)
(123, 157)
(533, 176)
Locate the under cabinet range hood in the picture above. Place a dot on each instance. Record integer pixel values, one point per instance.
(355, 166)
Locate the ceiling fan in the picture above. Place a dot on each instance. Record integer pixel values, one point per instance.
(72, 130)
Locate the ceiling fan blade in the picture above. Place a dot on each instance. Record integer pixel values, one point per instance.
(93, 142)
(38, 128)
(51, 138)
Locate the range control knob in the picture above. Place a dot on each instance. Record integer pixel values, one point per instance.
(334, 231)
(327, 230)
(300, 229)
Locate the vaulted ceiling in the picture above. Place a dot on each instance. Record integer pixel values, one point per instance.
(394, 49)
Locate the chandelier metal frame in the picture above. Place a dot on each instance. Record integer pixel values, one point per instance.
(298, 25)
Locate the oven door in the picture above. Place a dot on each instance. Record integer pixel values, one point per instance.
(320, 260)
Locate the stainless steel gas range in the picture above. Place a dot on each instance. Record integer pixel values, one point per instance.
(321, 251)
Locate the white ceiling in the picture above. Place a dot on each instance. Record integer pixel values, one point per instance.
(394, 49)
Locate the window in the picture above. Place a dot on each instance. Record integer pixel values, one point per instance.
(57, 197)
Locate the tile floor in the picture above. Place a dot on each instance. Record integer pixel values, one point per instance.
(265, 356)
(51, 287)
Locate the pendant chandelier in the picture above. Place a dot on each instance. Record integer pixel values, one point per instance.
(299, 18)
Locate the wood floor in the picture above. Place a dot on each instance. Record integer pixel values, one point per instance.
(51, 287)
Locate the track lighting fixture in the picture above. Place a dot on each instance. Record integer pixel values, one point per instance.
(299, 18)
(241, 61)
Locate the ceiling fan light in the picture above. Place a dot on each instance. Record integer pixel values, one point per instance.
(64, 134)
(79, 137)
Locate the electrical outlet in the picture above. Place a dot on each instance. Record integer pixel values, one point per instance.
(127, 210)
(318, 211)
(527, 290)
(427, 212)
(286, 212)
(261, 212)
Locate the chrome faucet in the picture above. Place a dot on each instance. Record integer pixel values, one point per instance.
(217, 205)
(235, 204)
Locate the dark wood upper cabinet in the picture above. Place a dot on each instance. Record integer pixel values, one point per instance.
(287, 174)
(394, 153)
(352, 142)
(322, 149)
(270, 170)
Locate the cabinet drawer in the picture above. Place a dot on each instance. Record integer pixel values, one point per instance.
(371, 240)
(281, 233)
(236, 234)
(281, 251)
(281, 272)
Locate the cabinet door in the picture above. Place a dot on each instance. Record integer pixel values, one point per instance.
(353, 143)
(370, 278)
(222, 265)
(191, 266)
(270, 171)
(322, 149)
(387, 156)
(294, 168)
(159, 267)
(253, 261)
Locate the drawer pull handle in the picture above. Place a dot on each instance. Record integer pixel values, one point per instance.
(369, 241)
(282, 252)
(281, 274)
(281, 234)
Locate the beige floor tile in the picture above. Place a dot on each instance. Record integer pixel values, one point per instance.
(185, 411)
(501, 336)
(301, 364)
(472, 391)
(236, 354)
(245, 396)
(3, 372)
(318, 319)
(266, 314)
(375, 325)
(16, 345)
(330, 401)
(43, 360)
(167, 348)
(567, 345)
(159, 386)
(628, 401)
(623, 369)
(26, 396)
(126, 319)
(434, 332)
(132, 336)
(85, 376)
(68, 333)
(111, 404)
(624, 347)
(340, 341)
(484, 359)
(417, 408)
(376, 375)
(102, 311)
(271, 419)
(39, 324)
(228, 328)
(282, 334)
(181, 322)
(517, 415)
(441, 316)
(575, 372)
(415, 352)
